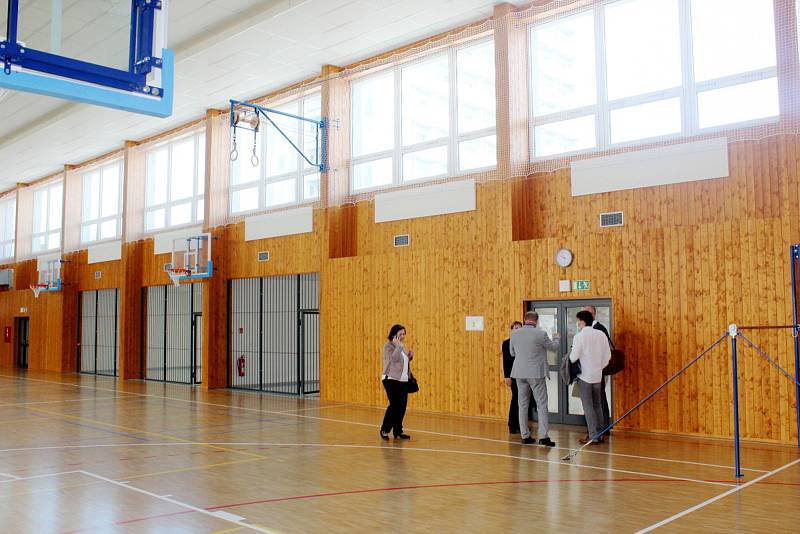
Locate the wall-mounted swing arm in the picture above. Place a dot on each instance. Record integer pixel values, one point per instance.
(247, 116)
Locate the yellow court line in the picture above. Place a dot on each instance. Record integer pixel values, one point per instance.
(195, 468)
(229, 530)
(140, 431)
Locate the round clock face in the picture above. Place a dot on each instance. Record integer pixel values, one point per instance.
(564, 257)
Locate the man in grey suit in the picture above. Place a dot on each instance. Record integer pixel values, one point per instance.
(529, 346)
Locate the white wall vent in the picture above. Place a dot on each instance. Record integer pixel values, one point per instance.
(167, 267)
(614, 218)
(263, 256)
(402, 240)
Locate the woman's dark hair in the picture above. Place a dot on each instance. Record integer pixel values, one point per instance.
(515, 323)
(394, 330)
(586, 317)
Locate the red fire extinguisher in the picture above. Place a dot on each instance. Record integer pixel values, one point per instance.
(240, 365)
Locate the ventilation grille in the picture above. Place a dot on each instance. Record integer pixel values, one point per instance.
(167, 267)
(613, 218)
(98, 275)
(263, 256)
(402, 240)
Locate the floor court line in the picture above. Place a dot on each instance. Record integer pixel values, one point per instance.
(716, 498)
(409, 449)
(460, 436)
(178, 503)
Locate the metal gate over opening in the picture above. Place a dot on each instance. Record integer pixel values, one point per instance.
(174, 333)
(274, 334)
(98, 352)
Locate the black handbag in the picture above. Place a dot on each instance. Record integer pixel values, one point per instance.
(412, 384)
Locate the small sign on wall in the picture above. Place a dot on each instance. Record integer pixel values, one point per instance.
(564, 285)
(474, 323)
(23, 310)
(580, 285)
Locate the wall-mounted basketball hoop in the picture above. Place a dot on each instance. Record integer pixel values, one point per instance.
(191, 258)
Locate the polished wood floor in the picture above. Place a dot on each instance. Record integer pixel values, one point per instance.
(90, 454)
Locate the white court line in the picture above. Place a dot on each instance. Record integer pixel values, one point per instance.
(222, 517)
(718, 497)
(47, 475)
(372, 425)
(381, 447)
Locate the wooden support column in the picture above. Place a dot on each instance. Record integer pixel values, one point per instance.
(131, 322)
(215, 289)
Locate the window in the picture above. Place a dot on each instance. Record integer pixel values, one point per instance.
(425, 120)
(634, 70)
(281, 175)
(735, 63)
(101, 203)
(47, 204)
(8, 225)
(175, 183)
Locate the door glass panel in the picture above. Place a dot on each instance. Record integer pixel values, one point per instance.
(548, 321)
(552, 392)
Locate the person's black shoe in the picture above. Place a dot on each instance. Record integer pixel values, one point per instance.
(384, 436)
(513, 430)
(547, 442)
(402, 436)
(528, 441)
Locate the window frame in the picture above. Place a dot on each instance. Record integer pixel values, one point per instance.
(688, 92)
(452, 141)
(48, 188)
(199, 138)
(120, 163)
(299, 173)
(12, 201)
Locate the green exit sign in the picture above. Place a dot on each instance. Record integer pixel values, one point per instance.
(580, 285)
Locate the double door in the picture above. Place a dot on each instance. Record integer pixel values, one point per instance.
(563, 401)
(174, 323)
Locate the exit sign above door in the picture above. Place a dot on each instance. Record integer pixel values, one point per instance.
(580, 285)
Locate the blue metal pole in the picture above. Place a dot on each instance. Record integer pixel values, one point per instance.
(794, 252)
(732, 332)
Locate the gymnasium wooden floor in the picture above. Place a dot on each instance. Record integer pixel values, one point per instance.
(86, 454)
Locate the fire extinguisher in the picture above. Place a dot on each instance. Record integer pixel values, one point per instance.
(240, 365)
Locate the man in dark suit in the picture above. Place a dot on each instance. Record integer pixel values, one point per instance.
(513, 409)
(604, 400)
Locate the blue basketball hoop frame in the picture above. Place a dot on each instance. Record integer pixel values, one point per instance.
(146, 87)
(319, 157)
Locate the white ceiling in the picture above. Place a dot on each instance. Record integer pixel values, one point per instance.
(224, 49)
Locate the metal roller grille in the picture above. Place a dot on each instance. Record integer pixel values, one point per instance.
(99, 332)
(275, 334)
(174, 333)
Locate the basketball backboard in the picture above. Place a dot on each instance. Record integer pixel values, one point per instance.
(111, 53)
(191, 258)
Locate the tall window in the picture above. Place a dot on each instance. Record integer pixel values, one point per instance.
(426, 120)
(281, 176)
(8, 225)
(47, 205)
(101, 203)
(632, 70)
(175, 183)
